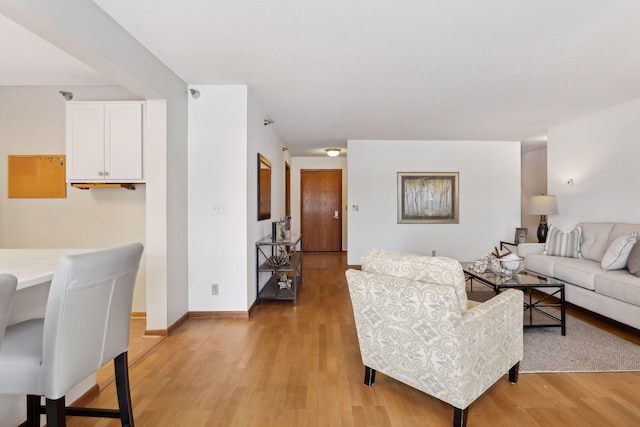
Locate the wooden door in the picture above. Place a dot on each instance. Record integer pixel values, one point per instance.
(321, 213)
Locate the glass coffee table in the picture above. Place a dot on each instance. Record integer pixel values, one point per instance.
(544, 303)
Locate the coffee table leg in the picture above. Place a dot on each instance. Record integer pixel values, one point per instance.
(563, 316)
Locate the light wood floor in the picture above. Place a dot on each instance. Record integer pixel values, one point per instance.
(300, 366)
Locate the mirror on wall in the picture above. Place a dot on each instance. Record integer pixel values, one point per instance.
(264, 188)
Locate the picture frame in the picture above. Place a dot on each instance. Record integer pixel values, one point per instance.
(428, 198)
(519, 232)
(264, 188)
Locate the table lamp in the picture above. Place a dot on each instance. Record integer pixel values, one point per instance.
(543, 206)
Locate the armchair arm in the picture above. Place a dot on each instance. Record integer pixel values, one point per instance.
(525, 249)
(491, 342)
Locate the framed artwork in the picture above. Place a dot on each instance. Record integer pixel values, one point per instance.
(428, 198)
(521, 235)
(264, 188)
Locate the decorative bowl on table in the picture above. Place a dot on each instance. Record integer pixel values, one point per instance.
(507, 265)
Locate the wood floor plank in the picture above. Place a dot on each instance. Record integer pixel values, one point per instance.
(300, 366)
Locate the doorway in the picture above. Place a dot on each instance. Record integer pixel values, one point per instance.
(321, 210)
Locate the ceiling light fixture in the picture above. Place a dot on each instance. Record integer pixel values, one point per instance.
(195, 93)
(67, 95)
(333, 152)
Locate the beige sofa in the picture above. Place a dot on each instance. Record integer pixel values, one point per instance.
(614, 294)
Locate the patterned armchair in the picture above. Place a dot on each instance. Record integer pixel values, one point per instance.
(415, 325)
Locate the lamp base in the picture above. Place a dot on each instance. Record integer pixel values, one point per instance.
(542, 229)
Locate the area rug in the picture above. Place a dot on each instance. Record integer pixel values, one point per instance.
(585, 348)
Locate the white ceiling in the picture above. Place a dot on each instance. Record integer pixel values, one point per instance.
(333, 70)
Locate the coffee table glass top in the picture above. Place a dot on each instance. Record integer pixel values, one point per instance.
(541, 310)
(523, 278)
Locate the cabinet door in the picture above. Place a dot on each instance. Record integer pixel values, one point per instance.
(85, 141)
(123, 142)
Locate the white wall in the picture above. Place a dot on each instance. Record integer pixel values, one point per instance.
(489, 196)
(32, 121)
(534, 182)
(316, 163)
(264, 140)
(218, 175)
(601, 153)
(226, 133)
(85, 31)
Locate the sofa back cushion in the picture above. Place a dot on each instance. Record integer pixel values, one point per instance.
(619, 230)
(435, 270)
(595, 239)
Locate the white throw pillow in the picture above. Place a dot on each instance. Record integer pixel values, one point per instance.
(563, 244)
(618, 251)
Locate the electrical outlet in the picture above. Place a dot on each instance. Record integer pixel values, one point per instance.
(215, 289)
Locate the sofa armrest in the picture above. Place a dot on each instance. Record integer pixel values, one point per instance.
(525, 249)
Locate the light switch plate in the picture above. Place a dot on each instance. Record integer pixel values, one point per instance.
(220, 208)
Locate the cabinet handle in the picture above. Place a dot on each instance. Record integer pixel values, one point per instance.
(100, 173)
(106, 173)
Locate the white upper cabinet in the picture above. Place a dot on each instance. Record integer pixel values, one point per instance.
(104, 141)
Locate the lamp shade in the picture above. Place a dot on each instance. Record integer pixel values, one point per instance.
(543, 205)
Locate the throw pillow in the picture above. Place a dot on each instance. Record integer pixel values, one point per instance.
(633, 262)
(563, 244)
(618, 251)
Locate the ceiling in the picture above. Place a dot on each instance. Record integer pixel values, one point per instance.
(334, 70)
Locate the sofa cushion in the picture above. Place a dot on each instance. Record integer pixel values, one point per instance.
(622, 230)
(580, 272)
(595, 237)
(563, 244)
(436, 270)
(619, 284)
(633, 262)
(541, 264)
(615, 258)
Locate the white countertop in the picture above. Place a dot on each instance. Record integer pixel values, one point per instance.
(32, 266)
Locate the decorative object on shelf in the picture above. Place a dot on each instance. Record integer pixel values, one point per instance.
(281, 230)
(521, 235)
(543, 206)
(428, 198)
(284, 282)
(508, 265)
(278, 260)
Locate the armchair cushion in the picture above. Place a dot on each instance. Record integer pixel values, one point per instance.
(435, 270)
